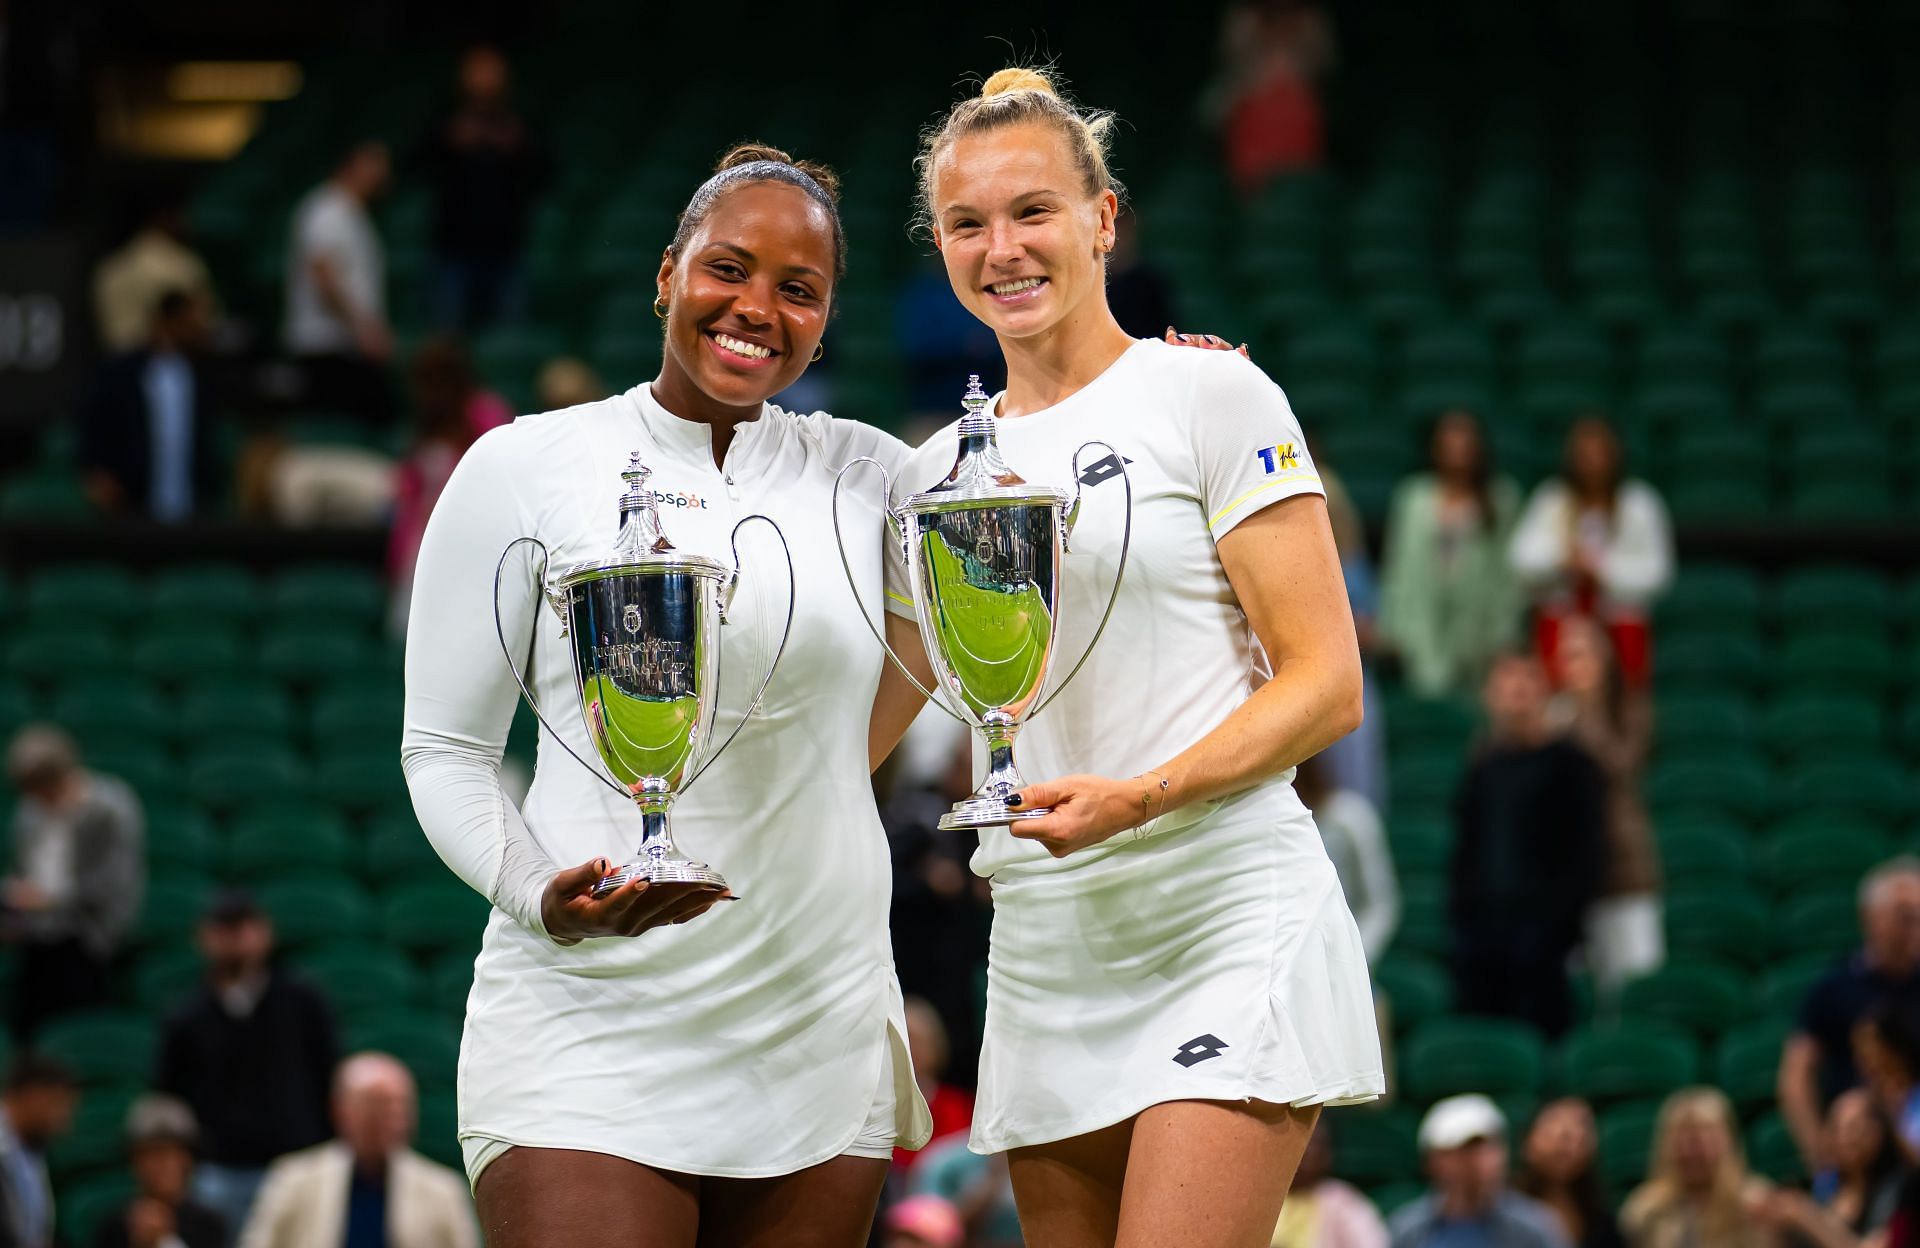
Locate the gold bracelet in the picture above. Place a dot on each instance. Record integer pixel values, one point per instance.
(1142, 830)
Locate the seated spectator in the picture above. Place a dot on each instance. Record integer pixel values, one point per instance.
(1448, 599)
(1529, 848)
(336, 317)
(251, 1052)
(147, 444)
(1322, 1211)
(951, 1107)
(452, 411)
(1463, 1141)
(1816, 1063)
(979, 1188)
(367, 1186)
(567, 382)
(129, 282)
(1862, 1190)
(1593, 541)
(1699, 1192)
(36, 1110)
(1274, 54)
(1559, 1167)
(1613, 722)
(78, 875)
(923, 1222)
(161, 1137)
(1357, 843)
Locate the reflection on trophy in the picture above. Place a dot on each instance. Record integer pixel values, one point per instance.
(644, 626)
(983, 551)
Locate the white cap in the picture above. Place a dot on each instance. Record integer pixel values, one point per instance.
(1459, 1120)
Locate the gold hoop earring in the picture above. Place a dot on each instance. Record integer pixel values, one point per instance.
(819, 349)
(660, 308)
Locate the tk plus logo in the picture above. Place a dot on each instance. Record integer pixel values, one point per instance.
(1279, 458)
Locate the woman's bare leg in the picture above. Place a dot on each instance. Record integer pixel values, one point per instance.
(1068, 1192)
(830, 1205)
(561, 1198)
(1210, 1174)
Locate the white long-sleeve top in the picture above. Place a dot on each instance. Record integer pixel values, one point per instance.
(1633, 549)
(749, 1041)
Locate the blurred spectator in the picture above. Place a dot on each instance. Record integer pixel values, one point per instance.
(128, 283)
(1613, 722)
(161, 1137)
(487, 169)
(924, 1222)
(1886, 1048)
(146, 443)
(1593, 541)
(1699, 1193)
(978, 1188)
(1448, 601)
(1138, 293)
(1463, 1140)
(940, 341)
(367, 1186)
(1356, 842)
(252, 1053)
(1528, 852)
(1816, 1064)
(1358, 760)
(567, 382)
(1273, 55)
(1323, 1212)
(1862, 1189)
(37, 1109)
(1559, 1167)
(451, 412)
(951, 1107)
(336, 320)
(79, 873)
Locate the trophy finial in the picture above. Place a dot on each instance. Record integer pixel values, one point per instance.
(640, 528)
(975, 400)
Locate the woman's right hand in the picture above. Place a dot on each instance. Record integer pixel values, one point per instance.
(571, 912)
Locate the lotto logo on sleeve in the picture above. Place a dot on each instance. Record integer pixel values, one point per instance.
(1281, 458)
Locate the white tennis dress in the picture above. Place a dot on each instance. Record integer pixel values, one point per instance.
(1216, 958)
(759, 1038)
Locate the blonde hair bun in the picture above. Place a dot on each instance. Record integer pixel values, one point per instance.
(1017, 78)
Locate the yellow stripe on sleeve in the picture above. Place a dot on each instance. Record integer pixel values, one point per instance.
(1256, 491)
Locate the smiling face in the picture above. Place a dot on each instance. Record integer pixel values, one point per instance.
(747, 298)
(1022, 237)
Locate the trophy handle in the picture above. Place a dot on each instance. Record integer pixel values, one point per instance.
(1119, 573)
(500, 631)
(897, 527)
(726, 600)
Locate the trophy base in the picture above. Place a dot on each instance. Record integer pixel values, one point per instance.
(988, 812)
(660, 871)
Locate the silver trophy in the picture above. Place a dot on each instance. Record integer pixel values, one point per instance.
(644, 621)
(983, 551)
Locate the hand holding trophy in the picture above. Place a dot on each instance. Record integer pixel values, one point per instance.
(643, 622)
(983, 551)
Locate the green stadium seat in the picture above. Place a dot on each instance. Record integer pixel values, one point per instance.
(1424, 926)
(438, 1133)
(171, 906)
(97, 1140)
(187, 657)
(1721, 922)
(92, 709)
(1463, 1054)
(314, 654)
(216, 590)
(1701, 847)
(1431, 723)
(1682, 354)
(361, 779)
(362, 978)
(1448, 352)
(50, 656)
(1815, 410)
(1709, 661)
(1427, 780)
(87, 1201)
(1731, 781)
(1837, 594)
(1631, 1059)
(1700, 996)
(163, 978)
(1784, 986)
(1788, 355)
(18, 707)
(1416, 988)
(428, 1044)
(148, 768)
(1667, 409)
(433, 918)
(1390, 1198)
(1626, 1142)
(1568, 354)
(1878, 788)
(179, 836)
(1332, 356)
(317, 593)
(1771, 1151)
(1818, 922)
(398, 852)
(1746, 1064)
(233, 773)
(1797, 726)
(235, 711)
(450, 981)
(1822, 852)
(1719, 501)
(355, 719)
(86, 591)
(269, 842)
(1372, 1145)
(1896, 356)
(1704, 720)
(1422, 841)
(311, 908)
(102, 1046)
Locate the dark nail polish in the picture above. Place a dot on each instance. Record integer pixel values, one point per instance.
(1014, 800)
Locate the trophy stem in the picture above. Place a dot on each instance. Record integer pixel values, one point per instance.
(658, 860)
(988, 808)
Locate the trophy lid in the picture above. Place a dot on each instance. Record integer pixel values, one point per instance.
(980, 476)
(642, 546)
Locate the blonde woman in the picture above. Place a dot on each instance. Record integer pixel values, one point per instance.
(1175, 984)
(1699, 1193)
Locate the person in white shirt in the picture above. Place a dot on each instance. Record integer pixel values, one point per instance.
(1175, 984)
(1593, 541)
(128, 283)
(336, 313)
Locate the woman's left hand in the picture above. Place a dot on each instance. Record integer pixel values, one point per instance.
(1085, 810)
(1206, 342)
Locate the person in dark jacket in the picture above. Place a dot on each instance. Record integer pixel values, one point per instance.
(1528, 856)
(161, 1137)
(252, 1052)
(146, 445)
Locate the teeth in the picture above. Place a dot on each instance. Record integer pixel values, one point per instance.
(735, 345)
(1014, 288)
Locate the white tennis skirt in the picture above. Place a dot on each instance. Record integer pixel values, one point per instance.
(1215, 962)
